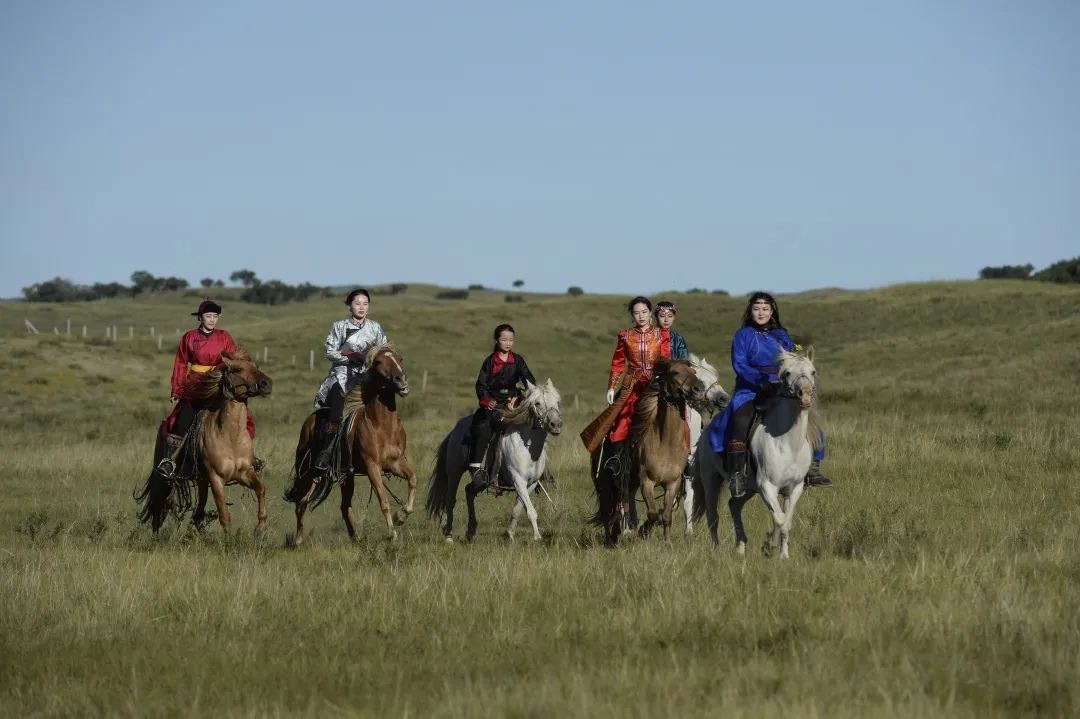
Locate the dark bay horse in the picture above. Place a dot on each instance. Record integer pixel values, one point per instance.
(375, 438)
(656, 453)
(219, 450)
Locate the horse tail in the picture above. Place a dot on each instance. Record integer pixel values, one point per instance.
(154, 498)
(438, 494)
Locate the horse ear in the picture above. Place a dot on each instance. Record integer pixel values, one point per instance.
(549, 384)
(529, 386)
(810, 353)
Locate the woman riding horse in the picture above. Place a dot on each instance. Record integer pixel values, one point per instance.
(754, 349)
(636, 353)
(199, 352)
(665, 318)
(497, 391)
(346, 348)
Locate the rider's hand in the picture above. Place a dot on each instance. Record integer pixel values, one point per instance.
(611, 396)
(174, 400)
(487, 402)
(511, 403)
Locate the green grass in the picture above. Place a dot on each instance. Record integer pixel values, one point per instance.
(938, 578)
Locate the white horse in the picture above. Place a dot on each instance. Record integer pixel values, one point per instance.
(781, 448)
(520, 459)
(716, 400)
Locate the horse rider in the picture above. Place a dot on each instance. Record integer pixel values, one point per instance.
(665, 318)
(199, 352)
(347, 346)
(497, 389)
(636, 352)
(754, 349)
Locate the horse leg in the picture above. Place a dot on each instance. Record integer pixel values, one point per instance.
(217, 486)
(405, 470)
(198, 517)
(257, 486)
(710, 487)
(789, 516)
(348, 486)
(648, 490)
(470, 500)
(524, 501)
(735, 506)
(688, 506)
(771, 496)
(671, 496)
(451, 500)
(301, 507)
(374, 473)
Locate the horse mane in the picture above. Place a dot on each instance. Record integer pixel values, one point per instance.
(815, 424)
(205, 388)
(540, 394)
(648, 402)
(354, 399)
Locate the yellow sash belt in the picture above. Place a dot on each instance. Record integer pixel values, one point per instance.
(201, 368)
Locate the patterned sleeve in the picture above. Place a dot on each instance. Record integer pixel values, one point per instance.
(679, 350)
(382, 338)
(333, 346)
(618, 362)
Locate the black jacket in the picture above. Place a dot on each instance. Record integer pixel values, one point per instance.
(503, 385)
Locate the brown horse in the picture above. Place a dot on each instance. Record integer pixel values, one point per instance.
(657, 450)
(218, 449)
(376, 439)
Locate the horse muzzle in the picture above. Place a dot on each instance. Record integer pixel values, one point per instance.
(264, 386)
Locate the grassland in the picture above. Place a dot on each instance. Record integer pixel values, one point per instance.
(939, 577)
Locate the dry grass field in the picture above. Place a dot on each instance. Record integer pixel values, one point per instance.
(938, 578)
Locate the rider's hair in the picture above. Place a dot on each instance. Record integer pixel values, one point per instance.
(354, 293)
(639, 300)
(665, 305)
(498, 331)
(774, 321)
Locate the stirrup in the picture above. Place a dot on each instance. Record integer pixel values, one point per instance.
(479, 477)
(166, 467)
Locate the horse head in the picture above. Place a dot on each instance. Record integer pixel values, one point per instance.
(241, 378)
(385, 363)
(677, 381)
(798, 376)
(716, 398)
(540, 407)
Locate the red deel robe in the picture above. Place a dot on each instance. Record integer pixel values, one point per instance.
(198, 348)
(636, 353)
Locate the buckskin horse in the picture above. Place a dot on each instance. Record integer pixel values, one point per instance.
(375, 440)
(656, 454)
(217, 451)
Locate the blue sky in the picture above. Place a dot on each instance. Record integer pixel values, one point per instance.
(622, 147)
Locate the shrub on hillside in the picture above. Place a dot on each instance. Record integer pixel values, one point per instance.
(1006, 272)
(476, 287)
(721, 293)
(276, 292)
(1065, 271)
(575, 291)
(513, 298)
(398, 287)
(452, 295)
(695, 291)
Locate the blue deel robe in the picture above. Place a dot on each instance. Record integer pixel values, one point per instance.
(753, 357)
(678, 346)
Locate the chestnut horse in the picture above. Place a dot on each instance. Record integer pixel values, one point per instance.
(376, 439)
(656, 454)
(218, 449)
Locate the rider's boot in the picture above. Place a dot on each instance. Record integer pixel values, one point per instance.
(478, 476)
(323, 456)
(814, 478)
(259, 464)
(735, 468)
(168, 463)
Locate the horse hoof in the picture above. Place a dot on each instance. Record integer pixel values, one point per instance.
(740, 549)
(399, 518)
(448, 539)
(508, 537)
